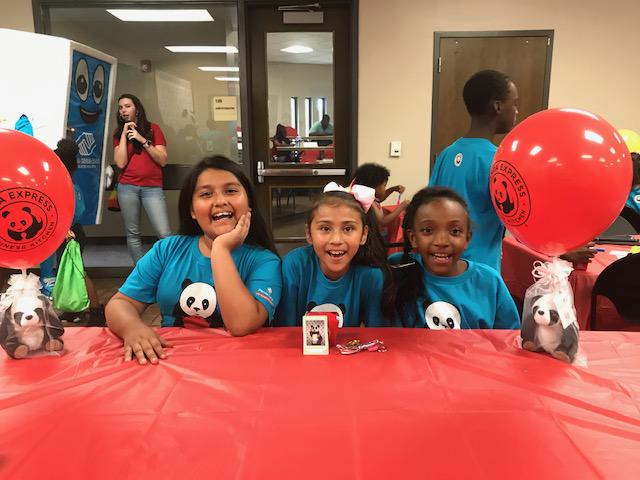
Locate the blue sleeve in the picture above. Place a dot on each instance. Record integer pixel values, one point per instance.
(287, 315)
(507, 316)
(142, 283)
(371, 287)
(265, 281)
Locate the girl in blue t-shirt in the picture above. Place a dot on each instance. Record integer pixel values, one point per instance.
(435, 287)
(343, 268)
(222, 270)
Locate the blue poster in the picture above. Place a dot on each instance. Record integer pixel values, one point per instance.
(88, 99)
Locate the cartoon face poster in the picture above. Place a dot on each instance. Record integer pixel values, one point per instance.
(88, 101)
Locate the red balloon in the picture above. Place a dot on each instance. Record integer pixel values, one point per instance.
(560, 178)
(36, 200)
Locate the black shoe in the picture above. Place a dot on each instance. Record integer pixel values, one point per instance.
(70, 316)
(96, 317)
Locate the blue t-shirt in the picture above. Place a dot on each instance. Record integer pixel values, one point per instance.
(633, 201)
(175, 275)
(464, 166)
(357, 295)
(477, 298)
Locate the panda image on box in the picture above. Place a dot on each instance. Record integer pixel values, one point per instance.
(328, 307)
(197, 306)
(315, 338)
(542, 330)
(30, 324)
(441, 316)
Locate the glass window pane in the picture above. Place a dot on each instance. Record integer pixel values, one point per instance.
(192, 96)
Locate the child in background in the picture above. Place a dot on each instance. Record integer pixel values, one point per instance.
(343, 268)
(376, 176)
(633, 201)
(67, 151)
(435, 287)
(222, 270)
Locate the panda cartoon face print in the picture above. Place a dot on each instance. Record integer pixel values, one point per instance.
(197, 306)
(441, 316)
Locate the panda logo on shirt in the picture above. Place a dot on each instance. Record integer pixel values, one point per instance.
(441, 316)
(457, 161)
(196, 306)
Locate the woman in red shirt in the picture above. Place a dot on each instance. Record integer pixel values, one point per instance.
(140, 151)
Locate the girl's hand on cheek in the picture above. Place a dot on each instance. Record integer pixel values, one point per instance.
(235, 237)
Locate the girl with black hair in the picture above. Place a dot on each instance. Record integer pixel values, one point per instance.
(222, 270)
(376, 176)
(343, 269)
(140, 151)
(436, 288)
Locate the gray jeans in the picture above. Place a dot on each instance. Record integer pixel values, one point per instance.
(131, 197)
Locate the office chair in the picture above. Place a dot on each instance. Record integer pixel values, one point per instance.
(631, 216)
(620, 283)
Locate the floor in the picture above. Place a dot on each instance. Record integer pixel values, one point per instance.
(107, 287)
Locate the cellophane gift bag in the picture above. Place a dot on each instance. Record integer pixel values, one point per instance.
(28, 323)
(549, 322)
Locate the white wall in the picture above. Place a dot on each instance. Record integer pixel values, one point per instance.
(595, 66)
(286, 80)
(16, 14)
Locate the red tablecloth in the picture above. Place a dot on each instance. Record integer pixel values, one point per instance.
(438, 404)
(517, 263)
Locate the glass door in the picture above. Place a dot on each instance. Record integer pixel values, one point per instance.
(301, 111)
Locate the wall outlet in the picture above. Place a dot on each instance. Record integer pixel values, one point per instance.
(395, 148)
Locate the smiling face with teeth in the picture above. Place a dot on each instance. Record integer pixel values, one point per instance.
(336, 233)
(440, 233)
(218, 202)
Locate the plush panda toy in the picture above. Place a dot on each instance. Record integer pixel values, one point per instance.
(542, 330)
(197, 306)
(30, 324)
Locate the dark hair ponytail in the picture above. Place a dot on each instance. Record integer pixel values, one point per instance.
(372, 253)
(408, 274)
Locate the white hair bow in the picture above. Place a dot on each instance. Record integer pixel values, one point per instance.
(364, 195)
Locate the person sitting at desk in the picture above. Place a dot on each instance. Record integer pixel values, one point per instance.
(280, 140)
(323, 127)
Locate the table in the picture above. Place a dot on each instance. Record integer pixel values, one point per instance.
(461, 404)
(517, 263)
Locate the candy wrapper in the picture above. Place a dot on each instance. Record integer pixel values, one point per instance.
(549, 317)
(28, 323)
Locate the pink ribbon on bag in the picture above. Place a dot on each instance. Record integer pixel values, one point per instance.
(364, 195)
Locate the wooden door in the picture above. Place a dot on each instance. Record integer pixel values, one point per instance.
(524, 56)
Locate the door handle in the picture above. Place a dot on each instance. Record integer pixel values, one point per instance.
(297, 172)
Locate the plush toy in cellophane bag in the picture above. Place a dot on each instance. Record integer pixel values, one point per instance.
(549, 321)
(28, 323)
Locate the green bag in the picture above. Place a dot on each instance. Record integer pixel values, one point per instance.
(70, 291)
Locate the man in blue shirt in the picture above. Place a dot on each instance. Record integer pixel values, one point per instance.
(491, 99)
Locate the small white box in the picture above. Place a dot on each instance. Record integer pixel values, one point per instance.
(315, 335)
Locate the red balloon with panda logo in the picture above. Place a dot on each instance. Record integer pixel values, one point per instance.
(36, 200)
(560, 178)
